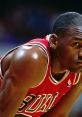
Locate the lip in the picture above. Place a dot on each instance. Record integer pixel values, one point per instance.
(79, 62)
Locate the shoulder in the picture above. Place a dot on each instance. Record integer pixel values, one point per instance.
(24, 54)
(29, 54)
(27, 51)
(26, 62)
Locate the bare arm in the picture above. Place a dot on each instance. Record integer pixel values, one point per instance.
(25, 69)
(1, 80)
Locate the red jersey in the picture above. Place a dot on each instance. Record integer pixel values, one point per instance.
(46, 94)
(41, 98)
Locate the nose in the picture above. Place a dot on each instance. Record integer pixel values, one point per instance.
(80, 54)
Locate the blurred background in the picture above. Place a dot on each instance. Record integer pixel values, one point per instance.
(22, 20)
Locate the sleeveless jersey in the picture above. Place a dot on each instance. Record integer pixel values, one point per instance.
(41, 98)
(46, 94)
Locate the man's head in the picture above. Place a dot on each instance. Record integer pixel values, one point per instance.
(65, 21)
(68, 37)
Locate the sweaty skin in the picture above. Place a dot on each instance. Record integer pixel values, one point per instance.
(25, 67)
(20, 72)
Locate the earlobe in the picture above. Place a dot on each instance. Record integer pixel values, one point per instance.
(53, 41)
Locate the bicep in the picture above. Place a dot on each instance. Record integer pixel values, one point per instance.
(10, 98)
(1, 80)
(24, 70)
(29, 65)
(6, 93)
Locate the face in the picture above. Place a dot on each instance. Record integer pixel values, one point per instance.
(70, 50)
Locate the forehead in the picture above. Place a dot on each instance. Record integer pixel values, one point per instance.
(75, 32)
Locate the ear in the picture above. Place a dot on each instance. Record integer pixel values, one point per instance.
(53, 41)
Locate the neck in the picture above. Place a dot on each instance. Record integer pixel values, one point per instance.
(56, 67)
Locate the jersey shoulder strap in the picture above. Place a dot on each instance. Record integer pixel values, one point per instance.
(77, 78)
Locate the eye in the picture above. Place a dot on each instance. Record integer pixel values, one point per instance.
(76, 44)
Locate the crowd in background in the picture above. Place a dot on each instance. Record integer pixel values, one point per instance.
(22, 22)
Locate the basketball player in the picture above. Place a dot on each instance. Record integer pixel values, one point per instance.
(43, 76)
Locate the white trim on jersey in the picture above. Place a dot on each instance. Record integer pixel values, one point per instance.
(77, 78)
(54, 81)
(45, 50)
(30, 44)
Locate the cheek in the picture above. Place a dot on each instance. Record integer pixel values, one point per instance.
(71, 54)
(68, 54)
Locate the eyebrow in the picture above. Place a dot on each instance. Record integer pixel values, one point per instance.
(78, 38)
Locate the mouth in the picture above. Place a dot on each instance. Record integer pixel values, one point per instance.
(79, 62)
